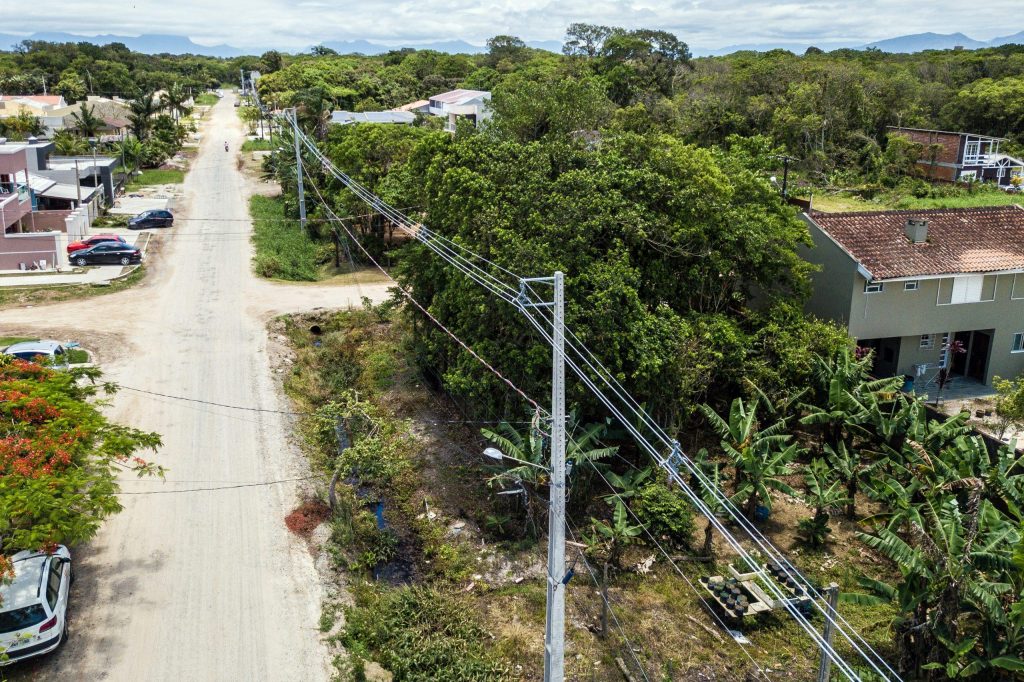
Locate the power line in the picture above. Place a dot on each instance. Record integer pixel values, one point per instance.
(258, 484)
(508, 293)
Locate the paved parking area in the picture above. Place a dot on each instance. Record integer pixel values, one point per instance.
(93, 274)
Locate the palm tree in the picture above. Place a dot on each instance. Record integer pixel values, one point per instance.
(69, 144)
(761, 456)
(86, 122)
(142, 110)
(131, 152)
(531, 449)
(173, 100)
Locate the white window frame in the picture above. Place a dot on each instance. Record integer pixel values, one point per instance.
(968, 289)
(1017, 288)
(927, 342)
(1017, 345)
(874, 287)
(911, 285)
(972, 151)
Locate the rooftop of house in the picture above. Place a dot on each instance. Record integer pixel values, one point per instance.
(41, 100)
(947, 132)
(959, 241)
(459, 96)
(348, 117)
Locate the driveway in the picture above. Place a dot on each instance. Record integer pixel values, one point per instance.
(205, 585)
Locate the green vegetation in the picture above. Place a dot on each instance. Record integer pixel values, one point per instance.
(283, 250)
(156, 176)
(56, 445)
(206, 99)
(258, 146)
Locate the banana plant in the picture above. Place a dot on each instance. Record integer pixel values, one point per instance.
(761, 457)
(957, 601)
(824, 494)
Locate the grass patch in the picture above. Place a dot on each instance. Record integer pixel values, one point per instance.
(156, 176)
(206, 99)
(13, 297)
(283, 249)
(112, 220)
(258, 146)
(943, 196)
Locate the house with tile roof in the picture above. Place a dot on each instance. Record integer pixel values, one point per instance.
(962, 157)
(908, 284)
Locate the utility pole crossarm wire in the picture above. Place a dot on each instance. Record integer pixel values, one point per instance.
(298, 168)
(554, 631)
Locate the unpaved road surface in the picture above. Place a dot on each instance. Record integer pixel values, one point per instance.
(205, 585)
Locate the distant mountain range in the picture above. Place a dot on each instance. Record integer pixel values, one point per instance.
(148, 44)
(174, 44)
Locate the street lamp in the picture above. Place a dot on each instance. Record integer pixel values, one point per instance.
(93, 143)
(497, 455)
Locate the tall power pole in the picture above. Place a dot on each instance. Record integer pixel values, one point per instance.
(298, 168)
(554, 628)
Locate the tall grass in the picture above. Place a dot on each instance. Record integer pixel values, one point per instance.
(283, 249)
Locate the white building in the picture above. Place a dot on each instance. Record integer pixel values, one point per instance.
(468, 104)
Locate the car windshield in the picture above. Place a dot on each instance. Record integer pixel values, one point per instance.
(30, 354)
(19, 619)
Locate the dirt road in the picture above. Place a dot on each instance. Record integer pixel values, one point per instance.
(196, 585)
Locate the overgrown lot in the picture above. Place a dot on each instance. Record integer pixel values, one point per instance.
(426, 545)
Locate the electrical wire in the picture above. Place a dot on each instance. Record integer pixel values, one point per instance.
(450, 254)
(258, 484)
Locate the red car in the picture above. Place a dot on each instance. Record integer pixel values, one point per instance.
(93, 241)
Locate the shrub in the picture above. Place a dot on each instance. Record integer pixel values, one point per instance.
(665, 513)
(419, 634)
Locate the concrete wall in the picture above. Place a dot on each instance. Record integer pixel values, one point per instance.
(50, 221)
(29, 248)
(832, 285)
(910, 314)
(77, 224)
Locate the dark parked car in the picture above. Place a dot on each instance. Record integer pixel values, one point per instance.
(154, 218)
(108, 253)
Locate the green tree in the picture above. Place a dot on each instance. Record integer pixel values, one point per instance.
(142, 109)
(68, 143)
(1009, 403)
(59, 457)
(174, 101)
(85, 121)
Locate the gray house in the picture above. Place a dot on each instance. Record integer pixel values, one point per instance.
(907, 284)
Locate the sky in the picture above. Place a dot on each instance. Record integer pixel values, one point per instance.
(297, 24)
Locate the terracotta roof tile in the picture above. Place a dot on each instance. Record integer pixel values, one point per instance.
(962, 240)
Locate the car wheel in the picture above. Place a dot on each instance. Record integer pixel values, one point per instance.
(125, 260)
(65, 634)
(82, 262)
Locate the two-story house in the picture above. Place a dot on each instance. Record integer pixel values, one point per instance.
(962, 156)
(908, 283)
(472, 105)
(21, 242)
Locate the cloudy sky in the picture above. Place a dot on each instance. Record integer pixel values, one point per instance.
(293, 24)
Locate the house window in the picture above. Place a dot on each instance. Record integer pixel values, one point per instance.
(927, 342)
(873, 287)
(1018, 343)
(967, 289)
(912, 285)
(1017, 290)
(971, 151)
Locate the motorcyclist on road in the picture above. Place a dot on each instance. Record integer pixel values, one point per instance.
(225, 146)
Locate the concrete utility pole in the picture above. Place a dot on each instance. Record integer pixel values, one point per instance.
(298, 168)
(825, 666)
(554, 628)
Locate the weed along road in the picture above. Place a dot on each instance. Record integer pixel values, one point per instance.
(185, 584)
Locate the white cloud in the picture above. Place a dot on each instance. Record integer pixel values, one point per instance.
(288, 24)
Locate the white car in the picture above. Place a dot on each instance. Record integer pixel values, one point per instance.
(47, 348)
(34, 606)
